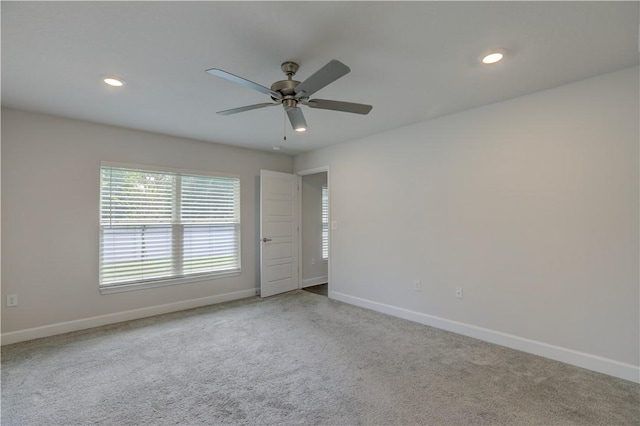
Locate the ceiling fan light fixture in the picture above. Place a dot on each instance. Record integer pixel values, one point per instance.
(113, 81)
(493, 56)
(301, 129)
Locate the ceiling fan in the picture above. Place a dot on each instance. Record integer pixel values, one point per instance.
(291, 93)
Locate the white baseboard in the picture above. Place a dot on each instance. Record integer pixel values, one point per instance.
(84, 323)
(314, 281)
(569, 356)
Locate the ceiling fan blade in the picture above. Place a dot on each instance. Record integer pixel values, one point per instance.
(339, 106)
(243, 81)
(245, 108)
(297, 119)
(324, 76)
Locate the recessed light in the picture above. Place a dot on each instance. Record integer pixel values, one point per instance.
(113, 81)
(301, 129)
(276, 148)
(493, 56)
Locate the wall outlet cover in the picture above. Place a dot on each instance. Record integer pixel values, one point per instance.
(459, 292)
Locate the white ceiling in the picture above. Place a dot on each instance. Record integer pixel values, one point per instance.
(411, 60)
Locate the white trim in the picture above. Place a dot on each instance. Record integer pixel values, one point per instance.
(314, 281)
(569, 356)
(313, 171)
(119, 288)
(153, 168)
(81, 324)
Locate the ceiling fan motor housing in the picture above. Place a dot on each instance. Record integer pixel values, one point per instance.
(285, 87)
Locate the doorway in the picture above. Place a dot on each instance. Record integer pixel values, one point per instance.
(314, 231)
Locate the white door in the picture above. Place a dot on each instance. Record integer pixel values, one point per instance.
(278, 232)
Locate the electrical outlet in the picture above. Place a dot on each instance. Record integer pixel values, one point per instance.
(12, 300)
(459, 292)
(334, 224)
(417, 285)
(313, 260)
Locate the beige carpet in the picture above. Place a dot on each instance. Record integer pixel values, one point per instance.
(297, 358)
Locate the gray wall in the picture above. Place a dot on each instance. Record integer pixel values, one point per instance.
(530, 205)
(50, 203)
(312, 273)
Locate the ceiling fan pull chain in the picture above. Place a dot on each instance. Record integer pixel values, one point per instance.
(284, 125)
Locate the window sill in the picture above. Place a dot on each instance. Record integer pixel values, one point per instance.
(119, 288)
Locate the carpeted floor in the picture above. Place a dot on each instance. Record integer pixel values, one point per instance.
(297, 358)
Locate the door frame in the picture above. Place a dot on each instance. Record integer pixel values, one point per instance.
(305, 172)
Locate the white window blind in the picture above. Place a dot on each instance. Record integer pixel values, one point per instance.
(158, 225)
(325, 223)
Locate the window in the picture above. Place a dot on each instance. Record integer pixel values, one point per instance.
(158, 226)
(325, 223)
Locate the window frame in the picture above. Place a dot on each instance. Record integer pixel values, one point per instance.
(324, 190)
(174, 280)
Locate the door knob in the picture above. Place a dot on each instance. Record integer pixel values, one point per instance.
(265, 239)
